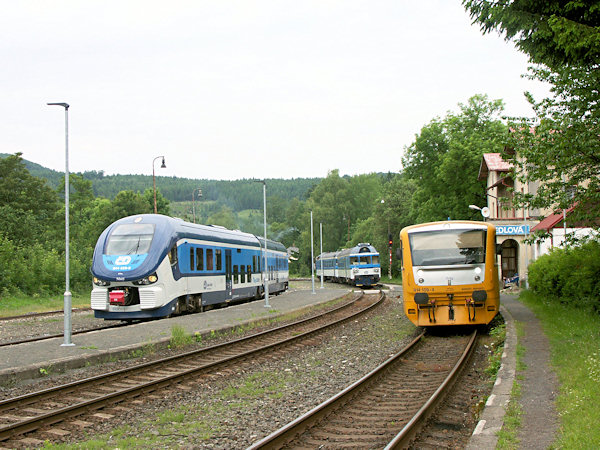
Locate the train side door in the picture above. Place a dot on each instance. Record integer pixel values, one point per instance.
(228, 272)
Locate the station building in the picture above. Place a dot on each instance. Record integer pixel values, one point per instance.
(513, 226)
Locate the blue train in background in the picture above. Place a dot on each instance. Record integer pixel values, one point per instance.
(151, 266)
(358, 266)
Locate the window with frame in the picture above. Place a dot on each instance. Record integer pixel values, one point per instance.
(236, 279)
(173, 255)
(199, 258)
(218, 254)
(249, 273)
(209, 259)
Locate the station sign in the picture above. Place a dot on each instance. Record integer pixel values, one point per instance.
(512, 230)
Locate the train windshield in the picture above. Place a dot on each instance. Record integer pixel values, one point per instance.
(130, 239)
(447, 247)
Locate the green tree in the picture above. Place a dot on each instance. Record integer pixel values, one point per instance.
(551, 32)
(560, 149)
(444, 160)
(224, 218)
(27, 205)
(162, 204)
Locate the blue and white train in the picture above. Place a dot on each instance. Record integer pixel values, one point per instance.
(358, 266)
(151, 266)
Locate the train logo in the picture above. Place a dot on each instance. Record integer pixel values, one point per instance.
(123, 260)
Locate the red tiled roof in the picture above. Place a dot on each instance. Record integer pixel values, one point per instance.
(551, 221)
(492, 162)
(495, 162)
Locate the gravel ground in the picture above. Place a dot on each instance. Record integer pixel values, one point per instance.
(29, 327)
(236, 407)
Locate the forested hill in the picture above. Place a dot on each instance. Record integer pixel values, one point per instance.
(238, 194)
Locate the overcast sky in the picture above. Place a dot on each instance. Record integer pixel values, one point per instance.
(241, 89)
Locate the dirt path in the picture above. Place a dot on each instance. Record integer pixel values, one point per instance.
(540, 384)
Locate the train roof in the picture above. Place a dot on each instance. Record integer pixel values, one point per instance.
(448, 225)
(363, 247)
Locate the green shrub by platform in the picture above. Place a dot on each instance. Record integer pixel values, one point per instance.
(569, 275)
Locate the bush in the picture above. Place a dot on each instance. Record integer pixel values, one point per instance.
(569, 275)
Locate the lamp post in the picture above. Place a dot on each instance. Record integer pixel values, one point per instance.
(265, 270)
(312, 255)
(322, 268)
(194, 201)
(389, 243)
(485, 211)
(162, 166)
(67, 296)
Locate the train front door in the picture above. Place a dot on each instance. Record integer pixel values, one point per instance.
(228, 272)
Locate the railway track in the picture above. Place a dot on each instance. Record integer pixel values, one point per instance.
(385, 408)
(59, 335)
(35, 412)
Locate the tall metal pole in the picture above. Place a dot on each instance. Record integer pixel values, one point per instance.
(194, 201)
(312, 255)
(163, 166)
(266, 245)
(322, 268)
(67, 296)
(193, 204)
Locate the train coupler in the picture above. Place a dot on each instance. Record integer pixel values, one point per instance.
(450, 307)
(431, 311)
(471, 304)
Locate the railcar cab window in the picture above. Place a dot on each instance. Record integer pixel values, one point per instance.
(435, 248)
(130, 239)
(375, 259)
(173, 255)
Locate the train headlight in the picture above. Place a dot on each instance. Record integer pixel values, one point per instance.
(99, 282)
(477, 273)
(150, 279)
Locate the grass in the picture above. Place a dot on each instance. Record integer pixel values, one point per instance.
(14, 306)
(574, 336)
(179, 337)
(508, 435)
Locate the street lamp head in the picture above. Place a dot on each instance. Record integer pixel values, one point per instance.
(64, 105)
(163, 165)
(475, 207)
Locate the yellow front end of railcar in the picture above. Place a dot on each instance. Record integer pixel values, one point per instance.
(449, 273)
(440, 306)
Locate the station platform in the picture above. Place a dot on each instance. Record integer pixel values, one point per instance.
(24, 361)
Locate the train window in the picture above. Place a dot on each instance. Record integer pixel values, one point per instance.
(375, 259)
(354, 260)
(235, 275)
(199, 258)
(209, 259)
(254, 264)
(192, 262)
(249, 273)
(242, 274)
(130, 239)
(219, 260)
(173, 255)
(448, 247)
